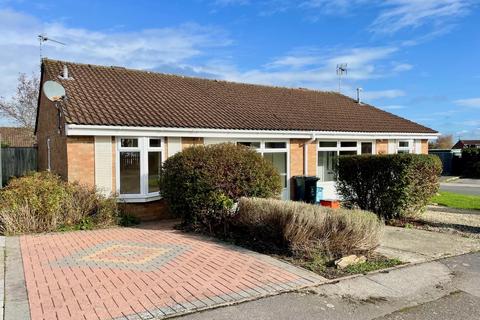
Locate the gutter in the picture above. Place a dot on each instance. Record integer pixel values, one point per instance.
(305, 153)
(102, 130)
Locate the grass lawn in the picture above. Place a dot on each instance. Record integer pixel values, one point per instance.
(455, 200)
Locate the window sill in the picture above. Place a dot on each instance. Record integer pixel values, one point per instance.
(138, 198)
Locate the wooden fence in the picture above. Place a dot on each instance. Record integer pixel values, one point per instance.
(16, 162)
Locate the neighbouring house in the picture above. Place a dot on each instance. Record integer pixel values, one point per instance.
(16, 137)
(462, 144)
(117, 125)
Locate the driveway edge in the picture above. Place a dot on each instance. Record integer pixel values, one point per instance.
(16, 297)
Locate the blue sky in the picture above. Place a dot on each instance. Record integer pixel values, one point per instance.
(415, 58)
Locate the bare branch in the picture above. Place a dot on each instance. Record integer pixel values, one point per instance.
(22, 108)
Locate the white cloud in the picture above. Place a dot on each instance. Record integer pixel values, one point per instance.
(472, 123)
(393, 107)
(404, 14)
(383, 94)
(402, 67)
(471, 102)
(230, 2)
(294, 61)
(314, 68)
(144, 49)
(332, 6)
(392, 16)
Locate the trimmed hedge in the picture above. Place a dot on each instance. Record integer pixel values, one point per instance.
(471, 162)
(391, 186)
(202, 183)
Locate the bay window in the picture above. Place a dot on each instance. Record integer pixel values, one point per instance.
(139, 160)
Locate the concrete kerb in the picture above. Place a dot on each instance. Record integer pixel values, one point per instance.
(16, 296)
(2, 276)
(438, 208)
(450, 179)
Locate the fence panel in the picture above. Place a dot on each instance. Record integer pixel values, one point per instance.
(16, 162)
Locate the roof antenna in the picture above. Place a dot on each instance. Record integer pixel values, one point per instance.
(43, 38)
(341, 70)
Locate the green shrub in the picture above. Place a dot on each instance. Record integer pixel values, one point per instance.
(202, 183)
(470, 162)
(306, 229)
(391, 186)
(127, 219)
(42, 202)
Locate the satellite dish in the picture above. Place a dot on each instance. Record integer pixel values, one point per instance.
(54, 91)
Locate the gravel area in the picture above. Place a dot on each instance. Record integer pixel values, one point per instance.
(463, 222)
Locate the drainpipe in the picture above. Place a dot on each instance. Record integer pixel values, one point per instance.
(305, 154)
(48, 155)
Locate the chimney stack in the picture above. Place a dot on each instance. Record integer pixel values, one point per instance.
(359, 99)
(65, 72)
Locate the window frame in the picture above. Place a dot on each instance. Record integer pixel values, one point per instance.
(262, 150)
(338, 148)
(144, 148)
(408, 149)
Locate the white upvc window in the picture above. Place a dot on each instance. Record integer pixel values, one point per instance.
(329, 150)
(404, 146)
(138, 163)
(275, 151)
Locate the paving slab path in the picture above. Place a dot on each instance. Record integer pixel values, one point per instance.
(147, 272)
(413, 245)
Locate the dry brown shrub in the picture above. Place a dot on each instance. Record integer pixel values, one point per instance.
(305, 229)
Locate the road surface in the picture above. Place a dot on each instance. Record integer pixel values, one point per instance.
(462, 186)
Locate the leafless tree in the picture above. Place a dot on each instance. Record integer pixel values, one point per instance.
(22, 107)
(443, 142)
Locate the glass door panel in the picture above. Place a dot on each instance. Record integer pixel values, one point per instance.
(326, 163)
(279, 161)
(129, 172)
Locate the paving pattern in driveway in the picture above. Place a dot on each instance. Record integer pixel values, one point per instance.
(143, 273)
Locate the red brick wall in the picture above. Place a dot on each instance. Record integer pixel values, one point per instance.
(425, 146)
(296, 159)
(47, 127)
(148, 211)
(81, 160)
(189, 142)
(382, 146)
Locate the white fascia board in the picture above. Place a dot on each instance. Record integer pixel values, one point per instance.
(93, 130)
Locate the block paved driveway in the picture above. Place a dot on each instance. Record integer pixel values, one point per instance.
(147, 272)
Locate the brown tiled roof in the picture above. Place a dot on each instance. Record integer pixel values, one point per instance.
(17, 137)
(462, 143)
(117, 96)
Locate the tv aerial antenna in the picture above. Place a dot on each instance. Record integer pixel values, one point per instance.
(341, 71)
(43, 38)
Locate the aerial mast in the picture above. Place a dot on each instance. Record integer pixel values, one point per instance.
(341, 71)
(43, 38)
